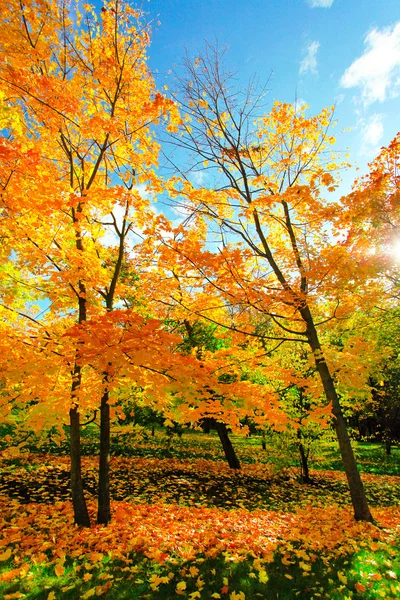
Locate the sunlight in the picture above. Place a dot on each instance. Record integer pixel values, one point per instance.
(395, 250)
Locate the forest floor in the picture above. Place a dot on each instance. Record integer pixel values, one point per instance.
(184, 524)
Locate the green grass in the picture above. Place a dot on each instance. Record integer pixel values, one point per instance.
(375, 572)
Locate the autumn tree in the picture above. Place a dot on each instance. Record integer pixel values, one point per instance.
(279, 259)
(372, 211)
(78, 104)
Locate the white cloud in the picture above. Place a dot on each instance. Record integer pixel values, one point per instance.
(377, 71)
(309, 62)
(339, 99)
(372, 130)
(300, 104)
(320, 3)
(198, 177)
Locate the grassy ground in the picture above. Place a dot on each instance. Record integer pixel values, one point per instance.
(186, 525)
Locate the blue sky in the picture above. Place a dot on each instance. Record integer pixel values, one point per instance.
(324, 51)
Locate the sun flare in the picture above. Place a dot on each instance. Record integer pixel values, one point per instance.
(396, 250)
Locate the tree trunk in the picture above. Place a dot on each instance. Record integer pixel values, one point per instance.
(206, 425)
(305, 474)
(104, 506)
(81, 515)
(263, 442)
(357, 491)
(229, 450)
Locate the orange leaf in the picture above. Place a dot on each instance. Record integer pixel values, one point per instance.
(224, 589)
(59, 570)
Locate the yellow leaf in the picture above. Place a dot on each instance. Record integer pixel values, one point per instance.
(305, 567)
(195, 595)
(342, 577)
(6, 555)
(237, 596)
(89, 594)
(288, 576)
(181, 586)
(263, 577)
(51, 596)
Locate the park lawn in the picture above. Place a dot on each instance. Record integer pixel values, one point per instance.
(193, 528)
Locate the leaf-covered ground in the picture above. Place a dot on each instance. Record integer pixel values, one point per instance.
(196, 482)
(196, 529)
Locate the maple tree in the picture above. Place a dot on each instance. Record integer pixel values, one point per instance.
(78, 102)
(372, 212)
(279, 257)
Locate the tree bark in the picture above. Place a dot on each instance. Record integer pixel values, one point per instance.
(357, 491)
(229, 450)
(81, 515)
(104, 505)
(263, 442)
(305, 473)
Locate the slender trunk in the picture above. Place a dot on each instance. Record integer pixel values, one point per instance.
(153, 432)
(104, 507)
(103, 497)
(357, 491)
(229, 450)
(263, 442)
(81, 515)
(305, 473)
